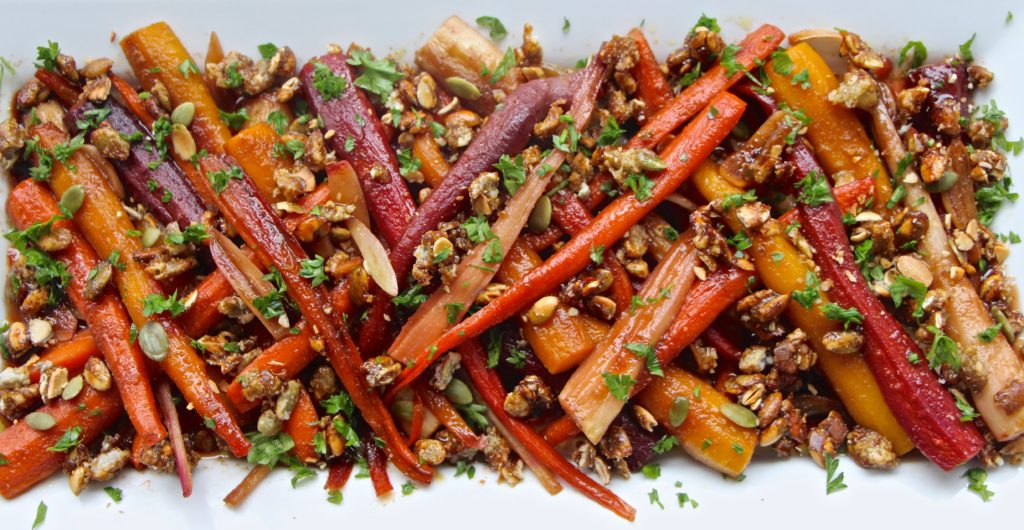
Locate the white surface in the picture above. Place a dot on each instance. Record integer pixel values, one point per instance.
(775, 494)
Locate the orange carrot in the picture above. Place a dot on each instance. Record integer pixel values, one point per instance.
(651, 84)
(560, 430)
(302, 427)
(683, 156)
(247, 485)
(442, 409)
(285, 359)
(25, 449)
(109, 233)
(31, 203)
(71, 354)
(435, 167)
(253, 149)
(65, 91)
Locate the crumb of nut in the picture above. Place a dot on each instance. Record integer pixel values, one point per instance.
(843, 342)
(491, 293)
(259, 384)
(528, 398)
(857, 91)
(52, 382)
(58, 238)
(827, 437)
(17, 339)
(644, 418)
(753, 214)
(979, 76)
(483, 193)
(430, 451)
(381, 371)
(97, 89)
(324, 383)
(445, 370)
(96, 374)
(233, 307)
(293, 183)
(615, 444)
(870, 449)
(39, 331)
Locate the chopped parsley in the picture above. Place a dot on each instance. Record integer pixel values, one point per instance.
(738, 199)
(407, 162)
(665, 444)
(477, 229)
(512, 171)
(379, 75)
(642, 186)
(278, 121)
(610, 133)
(271, 305)
(235, 120)
(68, 441)
(267, 50)
(903, 287)
(313, 269)
(411, 298)
(597, 254)
(944, 350)
(990, 334)
(976, 482)
(193, 233)
(115, 493)
(326, 82)
(915, 51)
(847, 316)
(506, 64)
(268, 450)
(497, 29)
(814, 189)
(46, 56)
(219, 179)
(649, 356)
(452, 311)
(810, 294)
(619, 384)
(188, 67)
(833, 482)
(967, 412)
(155, 304)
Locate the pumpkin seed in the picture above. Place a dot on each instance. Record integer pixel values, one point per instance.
(181, 139)
(462, 88)
(459, 392)
(540, 217)
(739, 415)
(945, 182)
(184, 113)
(40, 421)
(72, 198)
(402, 409)
(650, 161)
(680, 409)
(73, 388)
(150, 235)
(153, 340)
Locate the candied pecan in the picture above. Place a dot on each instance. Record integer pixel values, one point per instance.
(870, 449)
(827, 437)
(381, 371)
(760, 312)
(530, 397)
(857, 91)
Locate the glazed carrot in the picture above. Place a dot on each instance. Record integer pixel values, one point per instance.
(560, 430)
(849, 197)
(131, 99)
(543, 240)
(442, 409)
(435, 167)
(25, 449)
(586, 397)
(109, 233)
(377, 461)
(731, 446)
(65, 91)
(338, 474)
(562, 341)
(721, 343)
(488, 384)
(755, 47)
(416, 422)
(204, 314)
(215, 54)
(683, 155)
(71, 354)
(155, 54)
(573, 217)
(285, 359)
(248, 484)
(651, 85)
(302, 427)
(839, 140)
(849, 375)
(30, 203)
(253, 149)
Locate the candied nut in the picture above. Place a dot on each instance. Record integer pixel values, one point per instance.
(1011, 397)
(17, 339)
(637, 267)
(753, 214)
(287, 400)
(597, 283)
(615, 445)
(96, 67)
(39, 331)
(934, 164)
(826, 437)
(857, 91)
(96, 374)
(97, 89)
(644, 418)
(602, 306)
(915, 269)
(324, 383)
(979, 76)
(445, 370)
(268, 423)
(260, 384)
(66, 66)
(870, 449)
(529, 397)
(52, 382)
(430, 451)
(858, 51)
(760, 312)
(754, 359)
(426, 92)
(843, 342)
(542, 310)
(483, 193)
(56, 239)
(491, 293)
(32, 93)
(381, 371)
(293, 183)
(110, 143)
(912, 99)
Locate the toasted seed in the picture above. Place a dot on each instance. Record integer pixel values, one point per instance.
(184, 144)
(915, 269)
(458, 392)
(462, 88)
(153, 340)
(73, 388)
(183, 114)
(72, 198)
(150, 235)
(649, 161)
(40, 421)
(680, 409)
(402, 409)
(540, 217)
(542, 310)
(945, 182)
(739, 415)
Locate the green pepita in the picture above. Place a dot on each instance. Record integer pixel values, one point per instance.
(945, 182)
(402, 409)
(739, 415)
(73, 388)
(649, 161)
(462, 88)
(40, 421)
(150, 235)
(73, 198)
(680, 409)
(153, 341)
(540, 217)
(184, 113)
(459, 392)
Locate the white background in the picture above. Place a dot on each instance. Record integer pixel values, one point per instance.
(776, 493)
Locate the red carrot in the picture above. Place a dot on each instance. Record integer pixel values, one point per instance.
(683, 156)
(65, 91)
(25, 449)
(651, 84)
(337, 474)
(31, 203)
(378, 464)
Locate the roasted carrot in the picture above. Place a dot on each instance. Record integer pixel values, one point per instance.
(445, 412)
(415, 430)
(204, 314)
(839, 140)
(30, 203)
(435, 167)
(377, 461)
(109, 233)
(71, 354)
(849, 375)
(488, 384)
(65, 91)
(731, 446)
(248, 484)
(337, 474)
(560, 430)
(651, 85)
(131, 99)
(24, 449)
(285, 359)
(755, 47)
(682, 156)
(253, 149)
(302, 427)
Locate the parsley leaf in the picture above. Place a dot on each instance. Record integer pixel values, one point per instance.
(410, 298)
(326, 82)
(46, 56)
(647, 353)
(193, 233)
(642, 186)
(155, 304)
(976, 482)
(833, 483)
(512, 171)
(115, 493)
(268, 450)
(619, 384)
(903, 287)
(665, 444)
(920, 54)
(597, 254)
(782, 64)
(68, 441)
(497, 29)
(267, 50)
(278, 121)
(477, 229)
(944, 350)
(407, 162)
(314, 270)
(814, 190)
(235, 120)
(379, 75)
(965, 49)
(990, 334)
(847, 316)
(506, 64)
(610, 133)
(219, 179)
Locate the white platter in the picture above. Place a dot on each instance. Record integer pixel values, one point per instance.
(775, 494)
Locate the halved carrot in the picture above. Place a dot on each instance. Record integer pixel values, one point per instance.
(71, 354)
(651, 84)
(302, 427)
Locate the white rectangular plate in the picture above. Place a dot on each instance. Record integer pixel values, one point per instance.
(776, 493)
